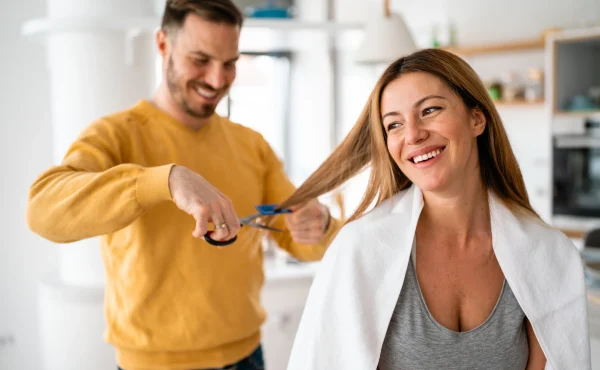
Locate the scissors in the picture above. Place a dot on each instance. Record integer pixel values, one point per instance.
(263, 210)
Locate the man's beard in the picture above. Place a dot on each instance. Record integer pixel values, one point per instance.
(205, 111)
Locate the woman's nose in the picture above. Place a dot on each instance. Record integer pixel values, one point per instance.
(414, 133)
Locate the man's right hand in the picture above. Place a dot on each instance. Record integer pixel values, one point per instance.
(198, 198)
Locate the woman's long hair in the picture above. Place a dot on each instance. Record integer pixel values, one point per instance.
(366, 145)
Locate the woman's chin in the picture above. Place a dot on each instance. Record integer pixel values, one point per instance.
(431, 185)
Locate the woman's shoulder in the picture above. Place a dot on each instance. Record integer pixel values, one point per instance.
(524, 227)
(369, 225)
(375, 214)
(548, 240)
(535, 226)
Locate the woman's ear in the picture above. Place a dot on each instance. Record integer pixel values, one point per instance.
(478, 121)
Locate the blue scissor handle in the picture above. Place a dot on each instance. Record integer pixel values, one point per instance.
(271, 209)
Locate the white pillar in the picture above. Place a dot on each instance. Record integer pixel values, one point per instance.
(101, 60)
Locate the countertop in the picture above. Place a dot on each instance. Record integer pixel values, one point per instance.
(281, 270)
(575, 227)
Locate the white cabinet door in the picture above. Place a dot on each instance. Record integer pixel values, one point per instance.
(278, 337)
(284, 302)
(595, 350)
(594, 321)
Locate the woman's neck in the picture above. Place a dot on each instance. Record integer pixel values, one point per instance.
(460, 214)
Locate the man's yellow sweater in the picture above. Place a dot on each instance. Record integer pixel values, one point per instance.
(171, 301)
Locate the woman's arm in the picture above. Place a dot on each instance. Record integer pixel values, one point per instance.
(537, 359)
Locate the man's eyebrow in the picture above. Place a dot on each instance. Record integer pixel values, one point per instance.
(206, 55)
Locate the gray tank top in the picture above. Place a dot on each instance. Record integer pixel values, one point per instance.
(416, 341)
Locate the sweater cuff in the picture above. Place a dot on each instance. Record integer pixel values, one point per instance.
(152, 185)
(332, 230)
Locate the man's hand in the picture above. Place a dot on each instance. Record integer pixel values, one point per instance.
(198, 198)
(308, 222)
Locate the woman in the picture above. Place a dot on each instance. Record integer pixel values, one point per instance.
(452, 268)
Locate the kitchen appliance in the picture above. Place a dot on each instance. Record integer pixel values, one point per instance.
(576, 172)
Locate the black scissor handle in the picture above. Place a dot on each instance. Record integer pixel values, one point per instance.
(218, 243)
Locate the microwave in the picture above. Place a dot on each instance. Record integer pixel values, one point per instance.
(576, 174)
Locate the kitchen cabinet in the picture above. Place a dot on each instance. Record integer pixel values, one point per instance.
(594, 321)
(573, 98)
(574, 58)
(573, 78)
(283, 297)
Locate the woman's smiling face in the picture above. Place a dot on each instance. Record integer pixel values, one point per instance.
(432, 135)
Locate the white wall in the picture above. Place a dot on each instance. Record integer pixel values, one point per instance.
(483, 20)
(25, 136)
(311, 105)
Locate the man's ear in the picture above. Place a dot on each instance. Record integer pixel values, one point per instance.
(162, 42)
(478, 121)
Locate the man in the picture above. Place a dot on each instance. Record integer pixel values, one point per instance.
(151, 178)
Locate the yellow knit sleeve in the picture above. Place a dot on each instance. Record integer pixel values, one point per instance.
(92, 192)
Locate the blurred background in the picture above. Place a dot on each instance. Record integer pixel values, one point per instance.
(306, 71)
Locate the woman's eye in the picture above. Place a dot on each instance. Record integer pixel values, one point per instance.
(430, 110)
(392, 126)
(201, 62)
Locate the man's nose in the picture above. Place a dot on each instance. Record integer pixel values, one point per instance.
(215, 77)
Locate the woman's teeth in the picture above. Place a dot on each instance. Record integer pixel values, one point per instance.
(424, 157)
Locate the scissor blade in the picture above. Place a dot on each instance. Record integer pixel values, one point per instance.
(259, 226)
(247, 219)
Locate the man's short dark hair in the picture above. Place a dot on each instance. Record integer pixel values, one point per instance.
(218, 11)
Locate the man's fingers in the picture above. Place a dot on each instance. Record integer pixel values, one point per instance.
(306, 237)
(230, 218)
(305, 214)
(316, 225)
(307, 222)
(197, 197)
(200, 214)
(221, 228)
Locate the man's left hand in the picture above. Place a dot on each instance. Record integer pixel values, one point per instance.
(308, 222)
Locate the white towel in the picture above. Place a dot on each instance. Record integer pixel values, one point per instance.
(358, 283)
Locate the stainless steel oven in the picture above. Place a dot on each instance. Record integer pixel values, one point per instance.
(576, 173)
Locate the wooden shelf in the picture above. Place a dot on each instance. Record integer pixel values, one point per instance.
(519, 103)
(582, 113)
(504, 47)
